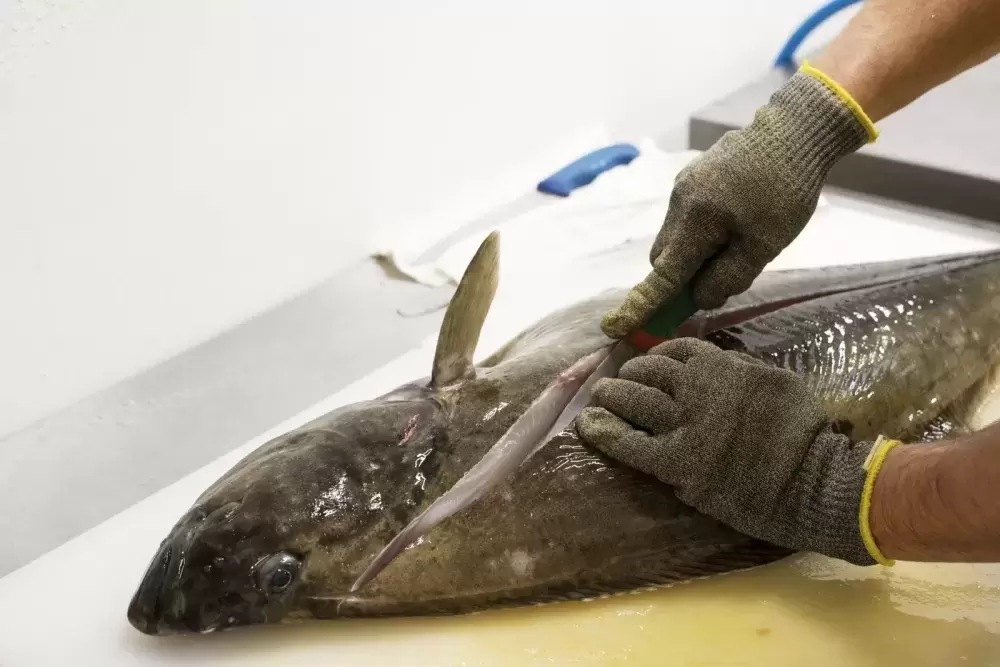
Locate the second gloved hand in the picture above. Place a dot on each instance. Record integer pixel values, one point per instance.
(741, 441)
(734, 208)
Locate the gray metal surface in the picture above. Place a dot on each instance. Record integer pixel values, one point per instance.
(80, 466)
(943, 151)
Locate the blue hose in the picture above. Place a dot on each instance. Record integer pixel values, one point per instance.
(786, 56)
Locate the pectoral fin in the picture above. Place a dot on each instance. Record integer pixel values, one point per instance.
(544, 418)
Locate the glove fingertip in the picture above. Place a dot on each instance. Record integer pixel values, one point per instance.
(683, 349)
(599, 427)
(639, 304)
(633, 451)
(620, 322)
(601, 388)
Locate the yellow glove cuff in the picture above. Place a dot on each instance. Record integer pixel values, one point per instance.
(876, 457)
(845, 97)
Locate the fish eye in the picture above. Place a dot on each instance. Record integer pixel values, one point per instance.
(277, 572)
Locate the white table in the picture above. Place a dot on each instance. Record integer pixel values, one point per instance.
(68, 607)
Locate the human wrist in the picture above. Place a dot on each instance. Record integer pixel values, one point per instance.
(935, 502)
(894, 51)
(906, 487)
(859, 75)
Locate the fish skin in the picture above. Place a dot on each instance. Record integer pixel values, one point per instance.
(570, 523)
(537, 425)
(916, 345)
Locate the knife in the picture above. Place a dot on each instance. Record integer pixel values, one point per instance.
(562, 183)
(661, 326)
(521, 440)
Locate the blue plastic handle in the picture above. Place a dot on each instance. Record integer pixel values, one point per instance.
(586, 169)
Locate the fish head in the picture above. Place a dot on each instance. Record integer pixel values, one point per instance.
(287, 531)
(301, 515)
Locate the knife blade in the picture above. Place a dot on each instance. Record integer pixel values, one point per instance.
(660, 327)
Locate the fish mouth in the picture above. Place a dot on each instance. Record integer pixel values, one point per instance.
(149, 604)
(160, 608)
(170, 601)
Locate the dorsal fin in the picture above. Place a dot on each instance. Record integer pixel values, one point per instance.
(463, 321)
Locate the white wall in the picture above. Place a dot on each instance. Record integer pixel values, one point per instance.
(168, 169)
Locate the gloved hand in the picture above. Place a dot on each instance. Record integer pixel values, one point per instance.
(743, 442)
(747, 197)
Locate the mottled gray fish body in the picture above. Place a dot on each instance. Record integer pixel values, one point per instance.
(892, 348)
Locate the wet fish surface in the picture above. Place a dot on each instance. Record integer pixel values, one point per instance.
(897, 348)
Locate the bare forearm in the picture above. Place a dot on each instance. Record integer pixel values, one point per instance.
(894, 51)
(940, 502)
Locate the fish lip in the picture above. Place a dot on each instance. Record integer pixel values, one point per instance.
(146, 608)
(154, 609)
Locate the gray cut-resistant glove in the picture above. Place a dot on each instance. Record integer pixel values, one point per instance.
(739, 204)
(741, 441)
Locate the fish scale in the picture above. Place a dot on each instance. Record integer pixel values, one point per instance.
(930, 337)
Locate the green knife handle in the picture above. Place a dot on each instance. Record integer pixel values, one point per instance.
(665, 321)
